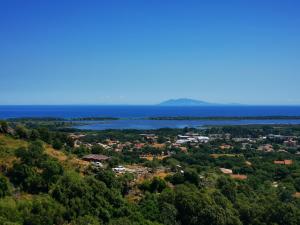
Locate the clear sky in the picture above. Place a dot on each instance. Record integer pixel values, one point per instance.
(146, 51)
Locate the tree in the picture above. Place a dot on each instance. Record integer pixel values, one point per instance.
(45, 134)
(191, 176)
(57, 144)
(28, 178)
(227, 188)
(282, 214)
(70, 142)
(153, 164)
(157, 185)
(33, 155)
(9, 214)
(125, 182)
(177, 178)
(3, 126)
(35, 171)
(98, 150)
(34, 135)
(149, 207)
(195, 208)
(81, 151)
(297, 184)
(86, 220)
(86, 196)
(168, 214)
(52, 170)
(281, 172)
(22, 132)
(44, 211)
(108, 177)
(4, 188)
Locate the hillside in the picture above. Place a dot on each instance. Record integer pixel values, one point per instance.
(219, 181)
(8, 145)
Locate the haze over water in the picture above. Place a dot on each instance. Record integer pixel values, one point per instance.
(137, 115)
(76, 111)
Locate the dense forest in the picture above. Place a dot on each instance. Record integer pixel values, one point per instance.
(38, 188)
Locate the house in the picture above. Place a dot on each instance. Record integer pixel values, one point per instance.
(290, 143)
(296, 195)
(139, 145)
(226, 171)
(283, 162)
(227, 136)
(266, 148)
(276, 136)
(282, 150)
(215, 136)
(77, 143)
(191, 134)
(76, 136)
(203, 139)
(149, 137)
(95, 158)
(191, 138)
(157, 145)
(111, 143)
(238, 176)
(246, 146)
(241, 139)
(225, 147)
(248, 163)
(181, 141)
(183, 149)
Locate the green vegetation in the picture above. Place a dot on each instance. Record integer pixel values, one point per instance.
(43, 181)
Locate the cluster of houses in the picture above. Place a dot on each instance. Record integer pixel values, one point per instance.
(262, 143)
(191, 138)
(100, 161)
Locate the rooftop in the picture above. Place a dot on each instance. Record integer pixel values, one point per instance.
(95, 157)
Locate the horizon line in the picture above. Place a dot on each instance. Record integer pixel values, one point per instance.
(158, 104)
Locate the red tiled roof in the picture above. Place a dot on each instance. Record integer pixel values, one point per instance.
(238, 176)
(95, 157)
(284, 162)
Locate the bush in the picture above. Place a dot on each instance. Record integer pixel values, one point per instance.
(4, 187)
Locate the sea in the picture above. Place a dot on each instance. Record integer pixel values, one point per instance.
(133, 117)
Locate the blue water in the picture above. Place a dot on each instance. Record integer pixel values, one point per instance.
(141, 124)
(137, 113)
(144, 111)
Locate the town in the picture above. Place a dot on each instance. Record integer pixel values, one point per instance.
(150, 147)
(236, 163)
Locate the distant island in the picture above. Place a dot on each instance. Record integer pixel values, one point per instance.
(185, 102)
(224, 118)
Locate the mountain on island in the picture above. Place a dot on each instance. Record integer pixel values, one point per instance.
(185, 102)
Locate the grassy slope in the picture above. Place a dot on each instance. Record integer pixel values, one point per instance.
(12, 143)
(8, 145)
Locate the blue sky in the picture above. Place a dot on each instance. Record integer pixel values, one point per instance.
(146, 51)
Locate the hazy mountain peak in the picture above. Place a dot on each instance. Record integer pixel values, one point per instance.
(184, 102)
